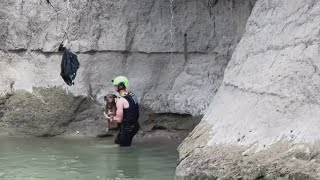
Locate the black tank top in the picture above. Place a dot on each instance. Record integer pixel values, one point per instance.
(131, 114)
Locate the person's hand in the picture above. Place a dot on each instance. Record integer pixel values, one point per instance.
(109, 118)
(106, 116)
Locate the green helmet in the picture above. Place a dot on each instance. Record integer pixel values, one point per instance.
(121, 80)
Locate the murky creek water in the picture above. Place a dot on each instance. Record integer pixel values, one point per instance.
(60, 158)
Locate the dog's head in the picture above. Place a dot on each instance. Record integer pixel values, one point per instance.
(110, 98)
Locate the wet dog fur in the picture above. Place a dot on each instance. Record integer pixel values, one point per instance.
(111, 109)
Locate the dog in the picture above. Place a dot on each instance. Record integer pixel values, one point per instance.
(111, 109)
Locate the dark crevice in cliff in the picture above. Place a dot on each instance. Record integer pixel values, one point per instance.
(170, 122)
(186, 53)
(170, 125)
(128, 42)
(211, 5)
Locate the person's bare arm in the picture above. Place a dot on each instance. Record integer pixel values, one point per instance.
(119, 113)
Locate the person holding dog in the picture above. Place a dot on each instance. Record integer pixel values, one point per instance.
(127, 113)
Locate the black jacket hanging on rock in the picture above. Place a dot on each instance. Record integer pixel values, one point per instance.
(69, 67)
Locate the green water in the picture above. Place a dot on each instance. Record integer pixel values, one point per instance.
(59, 158)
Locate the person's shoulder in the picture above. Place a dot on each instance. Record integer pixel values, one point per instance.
(134, 97)
(121, 99)
(130, 93)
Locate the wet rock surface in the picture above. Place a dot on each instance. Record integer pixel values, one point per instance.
(281, 161)
(49, 112)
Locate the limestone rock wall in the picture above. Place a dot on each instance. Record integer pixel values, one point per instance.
(175, 61)
(269, 96)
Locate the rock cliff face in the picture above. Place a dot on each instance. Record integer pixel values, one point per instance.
(174, 54)
(261, 123)
(264, 120)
